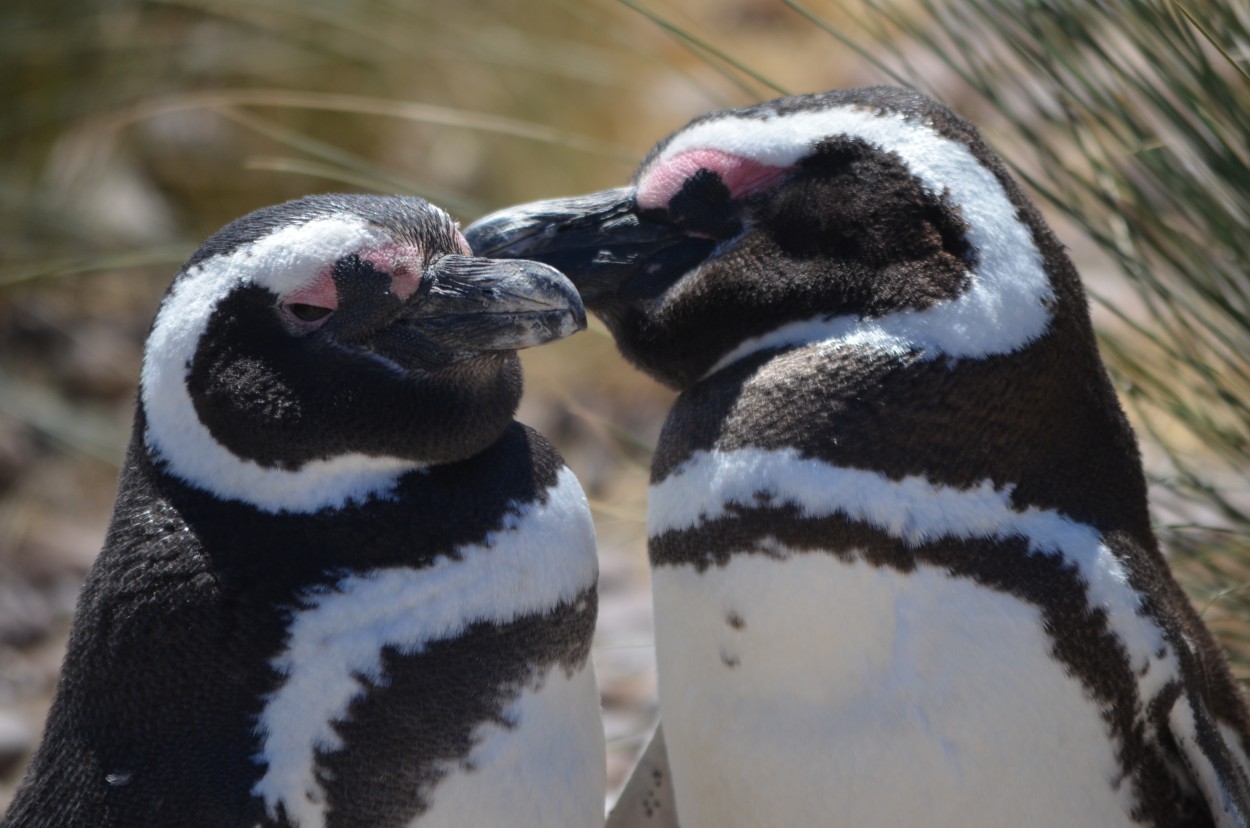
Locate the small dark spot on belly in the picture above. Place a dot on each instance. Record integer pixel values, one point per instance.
(734, 620)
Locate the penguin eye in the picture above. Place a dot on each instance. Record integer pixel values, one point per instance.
(308, 313)
(704, 206)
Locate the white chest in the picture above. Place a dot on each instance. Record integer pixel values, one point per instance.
(545, 768)
(806, 690)
(807, 687)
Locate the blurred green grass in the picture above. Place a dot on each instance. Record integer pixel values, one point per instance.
(132, 131)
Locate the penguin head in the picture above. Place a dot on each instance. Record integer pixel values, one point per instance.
(310, 351)
(871, 217)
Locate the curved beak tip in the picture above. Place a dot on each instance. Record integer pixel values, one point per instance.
(572, 321)
(565, 312)
(475, 304)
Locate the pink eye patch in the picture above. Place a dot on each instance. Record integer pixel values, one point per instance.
(403, 263)
(320, 293)
(740, 174)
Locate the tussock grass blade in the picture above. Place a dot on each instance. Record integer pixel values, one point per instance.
(334, 173)
(15, 275)
(486, 40)
(1206, 34)
(294, 139)
(361, 105)
(590, 15)
(354, 31)
(714, 57)
(342, 166)
(633, 451)
(69, 425)
(867, 54)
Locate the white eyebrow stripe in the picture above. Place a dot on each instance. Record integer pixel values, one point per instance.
(1005, 305)
(282, 262)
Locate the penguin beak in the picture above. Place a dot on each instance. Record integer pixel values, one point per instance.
(469, 305)
(601, 241)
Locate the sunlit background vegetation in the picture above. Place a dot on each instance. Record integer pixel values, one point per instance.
(130, 131)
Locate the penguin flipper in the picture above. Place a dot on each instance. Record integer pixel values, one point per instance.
(647, 798)
(1212, 763)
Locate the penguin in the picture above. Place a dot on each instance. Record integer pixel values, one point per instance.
(341, 585)
(902, 563)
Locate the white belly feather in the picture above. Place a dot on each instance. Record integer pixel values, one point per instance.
(542, 557)
(547, 769)
(909, 699)
(800, 688)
